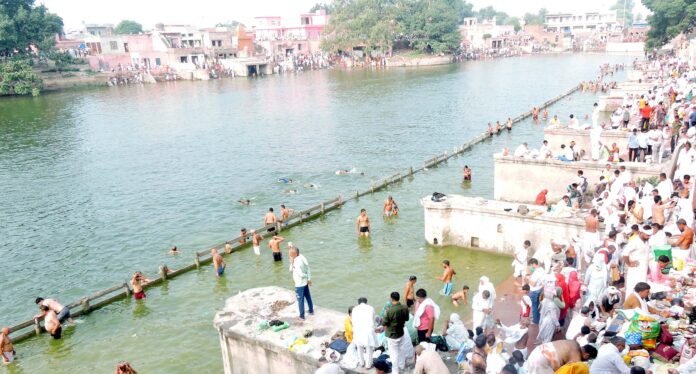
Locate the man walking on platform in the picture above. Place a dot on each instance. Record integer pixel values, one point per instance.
(302, 277)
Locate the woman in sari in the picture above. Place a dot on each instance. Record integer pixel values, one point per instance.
(550, 312)
(596, 279)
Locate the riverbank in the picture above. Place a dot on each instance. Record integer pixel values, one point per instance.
(134, 176)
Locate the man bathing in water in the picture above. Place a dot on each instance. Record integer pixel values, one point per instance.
(256, 239)
(6, 347)
(137, 282)
(274, 245)
(498, 127)
(218, 263)
(51, 322)
(62, 312)
(363, 224)
(461, 296)
(284, 213)
(409, 293)
(270, 219)
(490, 129)
(467, 173)
(446, 278)
(508, 124)
(390, 207)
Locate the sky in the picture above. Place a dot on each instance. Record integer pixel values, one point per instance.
(205, 13)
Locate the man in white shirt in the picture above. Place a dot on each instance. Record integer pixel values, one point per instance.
(609, 359)
(520, 261)
(545, 151)
(573, 123)
(536, 284)
(655, 143)
(522, 150)
(302, 276)
(363, 319)
(643, 144)
(635, 257)
(665, 187)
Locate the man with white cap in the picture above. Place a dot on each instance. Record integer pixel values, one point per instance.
(636, 256)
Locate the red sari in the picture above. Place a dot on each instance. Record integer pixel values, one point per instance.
(574, 286)
(560, 282)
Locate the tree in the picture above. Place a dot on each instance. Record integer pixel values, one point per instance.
(536, 19)
(128, 27)
(22, 24)
(231, 24)
(669, 18)
(17, 78)
(627, 17)
(433, 26)
(320, 6)
(514, 21)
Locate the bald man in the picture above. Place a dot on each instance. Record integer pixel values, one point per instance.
(6, 347)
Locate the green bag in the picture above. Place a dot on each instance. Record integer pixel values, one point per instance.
(663, 250)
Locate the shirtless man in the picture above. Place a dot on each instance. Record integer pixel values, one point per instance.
(63, 313)
(546, 114)
(242, 236)
(658, 209)
(446, 278)
(218, 262)
(548, 357)
(498, 127)
(274, 245)
(6, 347)
(409, 293)
(284, 213)
(363, 224)
(51, 322)
(137, 282)
(508, 124)
(591, 237)
(461, 296)
(256, 239)
(174, 251)
(270, 219)
(389, 204)
(467, 173)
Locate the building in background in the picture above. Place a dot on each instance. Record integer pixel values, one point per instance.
(301, 36)
(486, 34)
(573, 23)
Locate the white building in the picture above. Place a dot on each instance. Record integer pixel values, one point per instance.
(483, 34)
(572, 23)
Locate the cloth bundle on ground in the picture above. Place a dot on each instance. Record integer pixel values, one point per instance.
(647, 327)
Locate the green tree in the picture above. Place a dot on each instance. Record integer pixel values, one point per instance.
(627, 17)
(128, 27)
(536, 19)
(433, 26)
(22, 24)
(320, 6)
(17, 78)
(669, 18)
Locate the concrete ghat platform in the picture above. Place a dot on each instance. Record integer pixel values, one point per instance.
(557, 136)
(248, 350)
(485, 224)
(520, 179)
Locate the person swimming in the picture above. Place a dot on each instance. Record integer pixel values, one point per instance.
(312, 185)
(286, 180)
(244, 201)
(346, 171)
(290, 191)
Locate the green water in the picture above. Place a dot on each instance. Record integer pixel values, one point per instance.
(96, 184)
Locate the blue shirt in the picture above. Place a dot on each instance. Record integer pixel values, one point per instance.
(692, 117)
(633, 141)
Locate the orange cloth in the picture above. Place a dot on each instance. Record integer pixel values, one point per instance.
(574, 368)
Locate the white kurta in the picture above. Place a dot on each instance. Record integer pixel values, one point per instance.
(637, 251)
(363, 318)
(478, 304)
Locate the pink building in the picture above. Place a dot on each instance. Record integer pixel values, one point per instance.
(301, 36)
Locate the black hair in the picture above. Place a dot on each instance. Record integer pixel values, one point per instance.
(479, 331)
(663, 258)
(511, 369)
(421, 293)
(527, 242)
(412, 278)
(465, 287)
(270, 209)
(350, 309)
(446, 262)
(533, 261)
(486, 294)
(526, 287)
(584, 310)
(641, 286)
(590, 350)
(585, 330)
(39, 299)
(637, 370)
(481, 340)
(395, 296)
(362, 300)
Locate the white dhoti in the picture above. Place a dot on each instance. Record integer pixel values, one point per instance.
(537, 363)
(257, 250)
(590, 240)
(635, 275)
(9, 356)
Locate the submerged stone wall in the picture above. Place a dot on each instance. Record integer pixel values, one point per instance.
(493, 225)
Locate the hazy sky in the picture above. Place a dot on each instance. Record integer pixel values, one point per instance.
(209, 12)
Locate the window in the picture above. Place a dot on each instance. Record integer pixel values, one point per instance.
(299, 47)
(183, 59)
(217, 43)
(113, 45)
(125, 47)
(305, 21)
(158, 61)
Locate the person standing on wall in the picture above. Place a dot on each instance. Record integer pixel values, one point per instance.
(302, 276)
